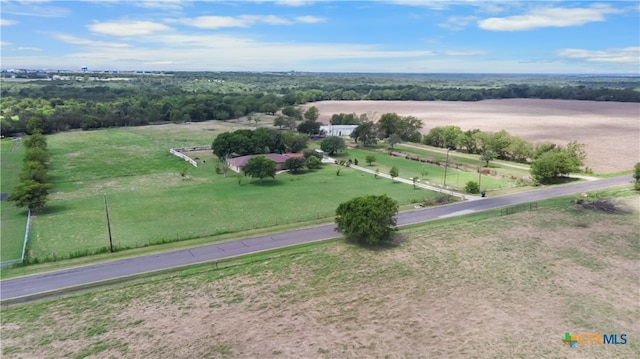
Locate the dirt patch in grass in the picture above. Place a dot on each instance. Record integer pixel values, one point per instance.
(504, 287)
(610, 130)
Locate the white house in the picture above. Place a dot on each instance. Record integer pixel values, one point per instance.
(337, 130)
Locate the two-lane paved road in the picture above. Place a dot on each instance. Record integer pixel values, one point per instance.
(52, 281)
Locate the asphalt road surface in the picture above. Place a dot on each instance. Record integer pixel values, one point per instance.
(23, 287)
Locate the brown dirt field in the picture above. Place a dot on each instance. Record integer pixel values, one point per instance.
(502, 287)
(610, 130)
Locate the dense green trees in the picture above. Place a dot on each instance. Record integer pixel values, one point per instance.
(366, 133)
(260, 167)
(491, 145)
(407, 127)
(33, 190)
(636, 176)
(332, 144)
(259, 141)
(557, 161)
(368, 219)
(295, 164)
(313, 163)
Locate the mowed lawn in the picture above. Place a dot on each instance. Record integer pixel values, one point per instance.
(13, 219)
(491, 287)
(150, 201)
(435, 174)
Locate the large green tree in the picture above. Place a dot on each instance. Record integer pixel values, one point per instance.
(366, 133)
(552, 165)
(295, 164)
(31, 194)
(368, 219)
(332, 144)
(260, 167)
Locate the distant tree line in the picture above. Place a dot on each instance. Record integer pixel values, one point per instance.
(52, 106)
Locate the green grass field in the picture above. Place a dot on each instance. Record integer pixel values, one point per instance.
(435, 174)
(13, 220)
(150, 202)
(459, 287)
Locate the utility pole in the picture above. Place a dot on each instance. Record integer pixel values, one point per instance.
(446, 164)
(106, 210)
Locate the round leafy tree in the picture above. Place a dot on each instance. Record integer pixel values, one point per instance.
(368, 219)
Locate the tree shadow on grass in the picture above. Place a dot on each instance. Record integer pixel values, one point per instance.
(266, 183)
(561, 180)
(397, 240)
(53, 208)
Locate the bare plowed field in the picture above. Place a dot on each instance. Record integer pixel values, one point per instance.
(610, 130)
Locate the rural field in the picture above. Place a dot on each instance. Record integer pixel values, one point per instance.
(150, 202)
(485, 286)
(610, 130)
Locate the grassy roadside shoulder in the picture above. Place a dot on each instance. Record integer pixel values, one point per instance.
(18, 271)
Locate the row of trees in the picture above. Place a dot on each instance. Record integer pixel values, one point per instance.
(259, 141)
(33, 190)
(497, 145)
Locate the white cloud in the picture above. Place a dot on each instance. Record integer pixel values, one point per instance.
(4, 43)
(25, 48)
(217, 22)
(33, 8)
(629, 55)
(161, 4)
(547, 17)
(464, 52)
(457, 22)
(6, 22)
(494, 6)
(309, 19)
(127, 28)
(293, 2)
(70, 39)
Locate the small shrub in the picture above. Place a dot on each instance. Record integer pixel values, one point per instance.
(472, 187)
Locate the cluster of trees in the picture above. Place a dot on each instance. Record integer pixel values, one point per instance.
(390, 127)
(33, 190)
(551, 161)
(259, 141)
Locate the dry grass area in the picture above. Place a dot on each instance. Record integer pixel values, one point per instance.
(610, 130)
(501, 287)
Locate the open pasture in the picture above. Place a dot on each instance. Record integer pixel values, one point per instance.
(497, 287)
(150, 201)
(13, 220)
(610, 130)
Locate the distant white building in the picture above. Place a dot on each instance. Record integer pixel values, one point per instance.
(337, 130)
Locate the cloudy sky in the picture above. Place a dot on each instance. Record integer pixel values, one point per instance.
(417, 36)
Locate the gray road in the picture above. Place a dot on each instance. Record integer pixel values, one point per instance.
(52, 281)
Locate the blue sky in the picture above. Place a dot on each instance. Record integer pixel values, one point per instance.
(577, 37)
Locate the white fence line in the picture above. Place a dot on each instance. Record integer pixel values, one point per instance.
(178, 152)
(24, 245)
